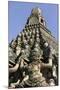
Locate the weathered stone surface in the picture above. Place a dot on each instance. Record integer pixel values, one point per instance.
(33, 55)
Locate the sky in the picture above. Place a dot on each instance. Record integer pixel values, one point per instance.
(18, 13)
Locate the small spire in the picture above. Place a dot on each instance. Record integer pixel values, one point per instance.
(36, 11)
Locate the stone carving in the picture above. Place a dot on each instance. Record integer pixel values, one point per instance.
(33, 61)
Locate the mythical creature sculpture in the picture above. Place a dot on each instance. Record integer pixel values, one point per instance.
(34, 77)
(32, 62)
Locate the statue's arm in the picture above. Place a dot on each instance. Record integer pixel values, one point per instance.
(14, 69)
(49, 64)
(26, 78)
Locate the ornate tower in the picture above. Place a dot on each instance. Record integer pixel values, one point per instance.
(37, 18)
(29, 45)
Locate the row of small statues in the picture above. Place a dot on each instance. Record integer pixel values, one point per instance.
(32, 64)
(24, 39)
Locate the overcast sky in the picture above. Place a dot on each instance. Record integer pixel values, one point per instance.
(18, 12)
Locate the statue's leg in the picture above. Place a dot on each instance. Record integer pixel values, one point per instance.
(42, 82)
